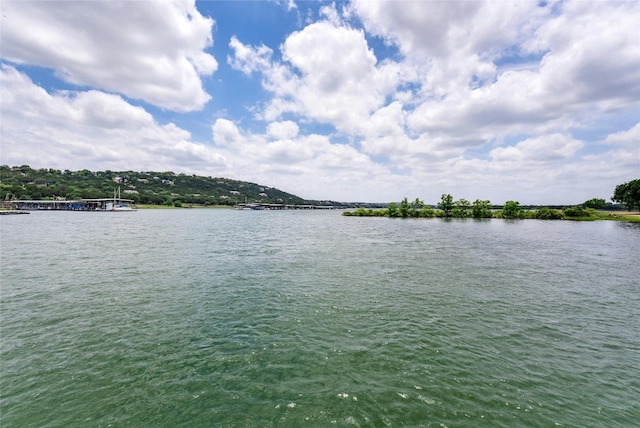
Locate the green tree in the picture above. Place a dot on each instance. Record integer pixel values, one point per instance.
(73, 192)
(481, 209)
(416, 206)
(595, 203)
(404, 208)
(446, 204)
(461, 208)
(628, 194)
(392, 210)
(427, 212)
(512, 210)
(546, 213)
(576, 211)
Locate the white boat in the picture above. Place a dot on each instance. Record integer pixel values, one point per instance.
(118, 203)
(119, 207)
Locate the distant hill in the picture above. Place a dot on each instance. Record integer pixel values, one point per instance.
(23, 182)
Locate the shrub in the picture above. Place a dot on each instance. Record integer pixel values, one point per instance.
(547, 213)
(461, 209)
(512, 210)
(576, 211)
(481, 209)
(596, 203)
(392, 210)
(427, 212)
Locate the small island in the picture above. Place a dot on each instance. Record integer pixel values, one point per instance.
(626, 194)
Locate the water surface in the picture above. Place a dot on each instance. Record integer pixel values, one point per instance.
(202, 318)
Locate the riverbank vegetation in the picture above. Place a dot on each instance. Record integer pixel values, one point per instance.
(628, 194)
(482, 209)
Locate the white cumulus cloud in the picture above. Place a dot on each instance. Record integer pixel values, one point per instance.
(328, 73)
(90, 129)
(152, 51)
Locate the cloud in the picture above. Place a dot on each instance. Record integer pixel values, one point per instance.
(336, 72)
(328, 74)
(627, 137)
(455, 83)
(283, 130)
(588, 60)
(487, 70)
(364, 101)
(226, 133)
(451, 42)
(322, 169)
(152, 51)
(468, 77)
(546, 148)
(90, 129)
(247, 59)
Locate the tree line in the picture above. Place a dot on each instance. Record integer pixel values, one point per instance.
(447, 208)
(627, 194)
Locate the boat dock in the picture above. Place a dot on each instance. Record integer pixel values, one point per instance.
(101, 204)
(264, 206)
(12, 212)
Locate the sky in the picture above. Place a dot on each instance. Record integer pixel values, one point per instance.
(360, 100)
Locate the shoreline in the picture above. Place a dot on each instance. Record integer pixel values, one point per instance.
(621, 216)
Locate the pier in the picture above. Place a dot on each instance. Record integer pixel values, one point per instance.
(265, 206)
(100, 204)
(12, 212)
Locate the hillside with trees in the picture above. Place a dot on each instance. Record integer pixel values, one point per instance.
(157, 188)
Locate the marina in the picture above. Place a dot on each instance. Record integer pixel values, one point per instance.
(99, 204)
(115, 203)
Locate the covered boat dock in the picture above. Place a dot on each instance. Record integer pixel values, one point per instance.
(101, 204)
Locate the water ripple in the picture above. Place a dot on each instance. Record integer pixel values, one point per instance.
(227, 318)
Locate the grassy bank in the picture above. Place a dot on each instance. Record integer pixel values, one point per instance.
(570, 214)
(628, 216)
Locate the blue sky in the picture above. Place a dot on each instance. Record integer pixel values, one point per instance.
(350, 101)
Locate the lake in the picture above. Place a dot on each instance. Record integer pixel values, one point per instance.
(227, 318)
